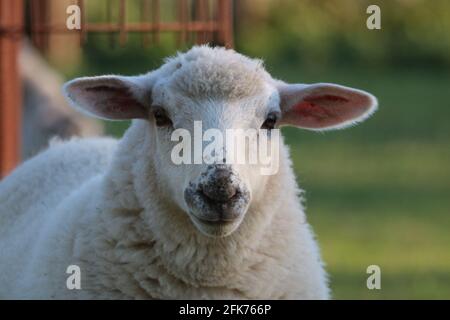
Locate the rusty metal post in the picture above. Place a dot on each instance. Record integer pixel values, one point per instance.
(183, 19)
(202, 15)
(145, 10)
(83, 36)
(225, 17)
(156, 20)
(122, 22)
(11, 25)
(39, 19)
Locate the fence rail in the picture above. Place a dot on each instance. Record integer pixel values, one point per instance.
(198, 21)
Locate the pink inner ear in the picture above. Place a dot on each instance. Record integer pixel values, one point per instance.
(325, 110)
(115, 103)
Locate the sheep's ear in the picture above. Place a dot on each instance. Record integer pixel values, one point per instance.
(110, 97)
(324, 106)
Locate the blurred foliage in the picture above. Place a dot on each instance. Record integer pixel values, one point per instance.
(377, 193)
(313, 35)
(320, 33)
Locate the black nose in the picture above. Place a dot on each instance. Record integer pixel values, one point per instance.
(220, 185)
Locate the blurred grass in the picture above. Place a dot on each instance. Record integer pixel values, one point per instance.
(385, 205)
(379, 193)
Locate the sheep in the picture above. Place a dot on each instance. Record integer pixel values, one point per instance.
(139, 226)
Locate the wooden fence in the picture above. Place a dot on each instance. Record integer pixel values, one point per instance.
(198, 21)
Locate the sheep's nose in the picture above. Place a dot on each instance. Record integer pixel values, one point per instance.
(220, 185)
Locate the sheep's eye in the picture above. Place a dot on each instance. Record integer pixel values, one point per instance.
(270, 121)
(161, 118)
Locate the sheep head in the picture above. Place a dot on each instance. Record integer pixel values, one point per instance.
(197, 98)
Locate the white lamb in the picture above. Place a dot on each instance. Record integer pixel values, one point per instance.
(140, 226)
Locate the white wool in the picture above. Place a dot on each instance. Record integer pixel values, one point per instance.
(217, 72)
(106, 207)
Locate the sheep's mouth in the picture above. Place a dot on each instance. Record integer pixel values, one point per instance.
(216, 218)
(216, 229)
(214, 223)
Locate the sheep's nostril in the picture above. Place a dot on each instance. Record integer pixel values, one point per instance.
(219, 187)
(219, 193)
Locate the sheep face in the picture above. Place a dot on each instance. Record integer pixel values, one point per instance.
(212, 188)
(197, 98)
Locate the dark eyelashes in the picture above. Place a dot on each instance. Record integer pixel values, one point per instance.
(270, 122)
(161, 117)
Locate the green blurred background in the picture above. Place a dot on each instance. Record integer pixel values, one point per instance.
(378, 193)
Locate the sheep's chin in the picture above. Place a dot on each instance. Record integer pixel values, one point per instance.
(215, 230)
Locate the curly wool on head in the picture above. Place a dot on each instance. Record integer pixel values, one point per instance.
(216, 73)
